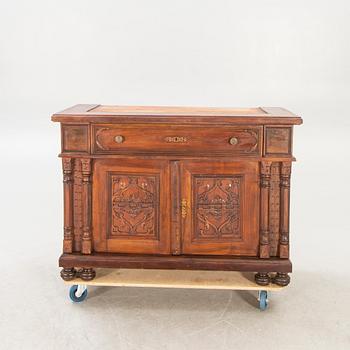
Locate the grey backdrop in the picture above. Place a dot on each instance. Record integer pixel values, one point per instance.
(54, 54)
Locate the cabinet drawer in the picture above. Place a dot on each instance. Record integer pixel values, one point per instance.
(176, 139)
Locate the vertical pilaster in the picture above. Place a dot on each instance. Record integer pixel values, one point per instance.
(284, 210)
(86, 246)
(78, 205)
(265, 177)
(67, 165)
(175, 211)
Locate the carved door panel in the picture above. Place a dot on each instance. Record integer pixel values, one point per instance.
(220, 208)
(131, 206)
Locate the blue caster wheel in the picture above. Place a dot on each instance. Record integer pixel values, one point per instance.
(262, 298)
(80, 296)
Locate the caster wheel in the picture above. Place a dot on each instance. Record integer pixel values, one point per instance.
(262, 300)
(73, 294)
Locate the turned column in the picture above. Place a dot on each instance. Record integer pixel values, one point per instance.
(86, 196)
(265, 176)
(284, 210)
(67, 164)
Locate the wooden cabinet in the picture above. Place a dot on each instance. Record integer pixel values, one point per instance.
(176, 188)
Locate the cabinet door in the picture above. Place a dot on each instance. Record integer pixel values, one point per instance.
(131, 206)
(220, 208)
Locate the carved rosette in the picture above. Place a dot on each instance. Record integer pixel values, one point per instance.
(284, 209)
(86, 246)
(265, 178)
(67, 165)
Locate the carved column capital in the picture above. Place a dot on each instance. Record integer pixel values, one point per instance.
(67, 165)
(285, 174)
(86, 170)
(265, 174)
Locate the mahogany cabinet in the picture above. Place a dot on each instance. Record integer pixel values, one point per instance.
(176, 188)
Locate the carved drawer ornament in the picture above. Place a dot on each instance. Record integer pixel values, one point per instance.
(176, 139)
(98, 142)
(255, 135)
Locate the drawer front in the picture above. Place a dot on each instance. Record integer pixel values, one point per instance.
(175, 139)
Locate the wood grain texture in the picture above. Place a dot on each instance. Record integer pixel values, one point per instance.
(149, 114)
(182, 262)
(278, 141)
(75, 138)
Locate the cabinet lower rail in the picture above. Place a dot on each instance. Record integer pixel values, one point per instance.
(183, 262)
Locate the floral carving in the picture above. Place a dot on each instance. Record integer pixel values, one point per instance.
(135, 206)
(217, 209)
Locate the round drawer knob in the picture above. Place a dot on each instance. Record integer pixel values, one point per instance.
(119, 139)
(233, 140)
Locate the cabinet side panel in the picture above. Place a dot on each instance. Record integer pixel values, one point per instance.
(75, 138)
(278, 141)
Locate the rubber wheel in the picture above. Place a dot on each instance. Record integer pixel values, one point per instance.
(73, 296)
(263, 300)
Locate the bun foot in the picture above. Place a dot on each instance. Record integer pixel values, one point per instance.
(68, 273)
(281, 279)
(262, 278)
(87, 274)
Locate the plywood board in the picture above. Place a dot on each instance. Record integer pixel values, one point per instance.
(175, 279)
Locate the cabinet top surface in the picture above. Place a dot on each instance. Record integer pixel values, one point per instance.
(108, 113)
